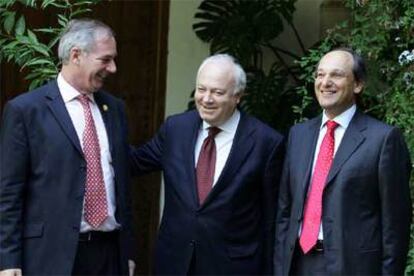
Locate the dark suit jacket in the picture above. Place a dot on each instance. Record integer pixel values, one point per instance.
(43, 174)
(231, 232)
(366, 201)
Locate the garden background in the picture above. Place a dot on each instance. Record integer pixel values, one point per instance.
(280, 76)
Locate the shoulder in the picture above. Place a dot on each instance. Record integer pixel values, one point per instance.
(184, 119)
(108, 97)
(302, 129)
(371, 123)
(33, 97)
(261, 129)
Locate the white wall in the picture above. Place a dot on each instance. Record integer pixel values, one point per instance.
(185, 53)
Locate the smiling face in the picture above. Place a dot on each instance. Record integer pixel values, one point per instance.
(335, 84)
(214, 96)
(92, 68)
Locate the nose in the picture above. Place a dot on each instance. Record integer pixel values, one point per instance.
(207, 97)
(326, 81)
(111, 67)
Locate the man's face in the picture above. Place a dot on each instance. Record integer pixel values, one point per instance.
(335, 85)
(95, 66)
(214, 96)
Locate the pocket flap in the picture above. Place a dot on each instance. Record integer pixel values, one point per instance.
(32, 230)
(245, 250)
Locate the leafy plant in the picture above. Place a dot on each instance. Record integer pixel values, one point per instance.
(32, 49)
(247, 30)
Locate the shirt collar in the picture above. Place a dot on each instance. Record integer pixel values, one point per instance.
(342, 119)
(68, 92)
(229, 126)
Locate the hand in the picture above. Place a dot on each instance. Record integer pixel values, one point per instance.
(131, 266)
(11, 272)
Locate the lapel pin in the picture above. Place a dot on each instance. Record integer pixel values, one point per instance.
(105, 107)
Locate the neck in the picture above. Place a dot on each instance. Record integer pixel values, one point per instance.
(71, 78)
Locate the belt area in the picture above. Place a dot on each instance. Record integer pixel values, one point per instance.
(98, 236)
(318, 246)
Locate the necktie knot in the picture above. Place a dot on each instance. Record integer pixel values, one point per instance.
(331, 125)
(213, 131)
(84, 99)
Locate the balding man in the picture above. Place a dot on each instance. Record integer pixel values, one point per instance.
(344, 206)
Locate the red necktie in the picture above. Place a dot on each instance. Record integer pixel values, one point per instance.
(206, 164)
(96, 206)
(313, 210)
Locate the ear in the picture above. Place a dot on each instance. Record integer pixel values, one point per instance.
(238, 97)
(358, 87)
(75, 55)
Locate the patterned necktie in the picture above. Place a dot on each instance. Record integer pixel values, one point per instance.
(96, 206)
(206, 164)
(313, 210)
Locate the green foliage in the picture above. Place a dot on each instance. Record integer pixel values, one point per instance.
(383, 32)
(246, 29)
(32, 49)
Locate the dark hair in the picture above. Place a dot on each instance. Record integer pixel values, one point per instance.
(359, 68)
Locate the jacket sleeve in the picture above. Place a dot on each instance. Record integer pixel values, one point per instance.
(271, 188)
(148, 157)
(282, 217)
(394, 174)
(14, 169)
(130, 240)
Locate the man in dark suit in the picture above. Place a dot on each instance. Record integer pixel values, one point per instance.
(344, 206)
(64, 206)
(221, 171)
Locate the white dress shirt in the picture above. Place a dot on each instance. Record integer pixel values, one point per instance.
(343, 121)
(75, 110)
(224, 141)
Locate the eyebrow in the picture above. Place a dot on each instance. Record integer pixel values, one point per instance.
(332, 71)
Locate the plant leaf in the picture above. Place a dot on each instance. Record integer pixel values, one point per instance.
(79, 12)
(40, 48)
(48, 30)
(46, 3)
(53, 42)
(20, 26)
(9, 21)
(37, 61)
(32, 37)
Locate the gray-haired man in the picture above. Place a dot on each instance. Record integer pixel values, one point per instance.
(64, 159)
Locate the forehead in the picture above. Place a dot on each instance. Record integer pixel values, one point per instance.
(105, 46)
(216, 72)
(336, 61)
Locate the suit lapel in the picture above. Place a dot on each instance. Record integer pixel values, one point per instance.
(352, 139)
(57, 106)
(106, 112)
(242, 145)
(188, 151)
(308, 150)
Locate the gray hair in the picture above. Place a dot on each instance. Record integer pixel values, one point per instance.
(81, 33)
(239, 74)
